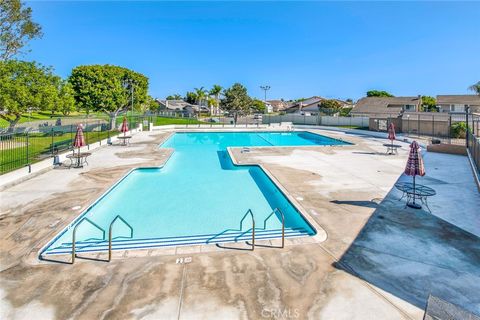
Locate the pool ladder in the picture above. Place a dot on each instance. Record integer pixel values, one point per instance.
(118, 217)
(276, 210)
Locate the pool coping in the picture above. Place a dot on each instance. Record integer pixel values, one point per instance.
(319, 236)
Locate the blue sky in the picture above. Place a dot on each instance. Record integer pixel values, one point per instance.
(332, 49)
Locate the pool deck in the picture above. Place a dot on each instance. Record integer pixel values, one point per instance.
(376, 260)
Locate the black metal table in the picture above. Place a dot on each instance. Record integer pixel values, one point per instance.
(392, 148)
(77, 160)
(125, 139)
(420, 192)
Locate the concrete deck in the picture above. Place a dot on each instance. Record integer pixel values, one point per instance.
(379, 261)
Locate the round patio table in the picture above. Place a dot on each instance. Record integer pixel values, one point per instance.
(125, 139)
(392, 148)
(77, 160)
(421, 193)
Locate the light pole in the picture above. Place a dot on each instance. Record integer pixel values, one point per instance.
(265, 89)
(129, 83)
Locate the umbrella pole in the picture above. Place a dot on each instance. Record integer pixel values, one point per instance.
(414, 190)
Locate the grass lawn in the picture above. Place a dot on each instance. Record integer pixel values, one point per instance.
(45, 115)
(13, 152)
(160, 121)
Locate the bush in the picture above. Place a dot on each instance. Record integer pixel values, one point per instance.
(459, 130)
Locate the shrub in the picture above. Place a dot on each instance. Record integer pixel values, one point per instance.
(458, 130)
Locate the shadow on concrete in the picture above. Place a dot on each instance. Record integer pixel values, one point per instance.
(412, 253)
(361, 203)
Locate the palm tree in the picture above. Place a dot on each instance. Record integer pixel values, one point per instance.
(201, 95)
(215, 91)
(212, 104)
(475, 88)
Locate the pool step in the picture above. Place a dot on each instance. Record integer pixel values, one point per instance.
(125, 244)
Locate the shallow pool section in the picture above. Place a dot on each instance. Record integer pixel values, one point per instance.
(198, 197)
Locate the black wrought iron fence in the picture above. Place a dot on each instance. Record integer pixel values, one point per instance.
(26, 145)
(473, 140)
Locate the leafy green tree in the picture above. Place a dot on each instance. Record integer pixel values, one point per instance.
(174, 97)
(258, 106)
(330, 106)
(25, 86)
(65, 102)
(475, 88)
(108, 88)
(16, 28)
(378, 93)
(190, 97)
(429, 104)
(236, 100)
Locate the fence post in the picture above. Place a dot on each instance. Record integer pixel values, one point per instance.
(467, 109)
(449, 128)
(52, 148)
(418, 125)
(28, 155)
(433, 126)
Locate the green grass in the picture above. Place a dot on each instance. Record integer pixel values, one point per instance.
(160, 121)
(45, 115)
(13, 153)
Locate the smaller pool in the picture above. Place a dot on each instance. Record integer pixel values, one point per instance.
(198, 197)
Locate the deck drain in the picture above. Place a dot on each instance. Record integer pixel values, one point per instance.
(299, 198)
(76, 207)
(183, 260)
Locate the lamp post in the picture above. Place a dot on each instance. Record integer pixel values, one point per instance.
(128, 84)
(265, 89)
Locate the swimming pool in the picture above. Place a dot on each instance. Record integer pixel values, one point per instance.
(198, 197)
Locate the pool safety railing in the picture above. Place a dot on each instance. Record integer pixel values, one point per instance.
(253, 226)
(277, 210)
(110, 234)
(75, 232)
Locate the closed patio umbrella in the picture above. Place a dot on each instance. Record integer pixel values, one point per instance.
(414, 168)
(124, 127)
(79, 140)
(391, 132)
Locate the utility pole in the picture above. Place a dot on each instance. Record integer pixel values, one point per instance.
(265, 89)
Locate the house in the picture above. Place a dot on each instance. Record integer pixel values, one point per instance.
(311, 106)
(180, 106)
(278, 105)
(385, 107)
(457, 103)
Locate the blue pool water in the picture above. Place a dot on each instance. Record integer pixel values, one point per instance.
(198, 197)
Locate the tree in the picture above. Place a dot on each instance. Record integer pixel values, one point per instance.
(16, 28)
(25, 86)
(215, 91)
(236, 100)
(65, 102)
(377, 93)
(258, 106)
(190, 97)
(174, 97)
(429, 104)
(475, 87)
(108, 88)
(201, 94)
(212, 103)
(330, 106)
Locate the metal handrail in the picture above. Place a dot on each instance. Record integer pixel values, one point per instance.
(110, 234)
(253, 226)
(75, 231)
(283, 223)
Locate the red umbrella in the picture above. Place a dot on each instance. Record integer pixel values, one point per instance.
(79, 140)
(414, 168)
(124, 127)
